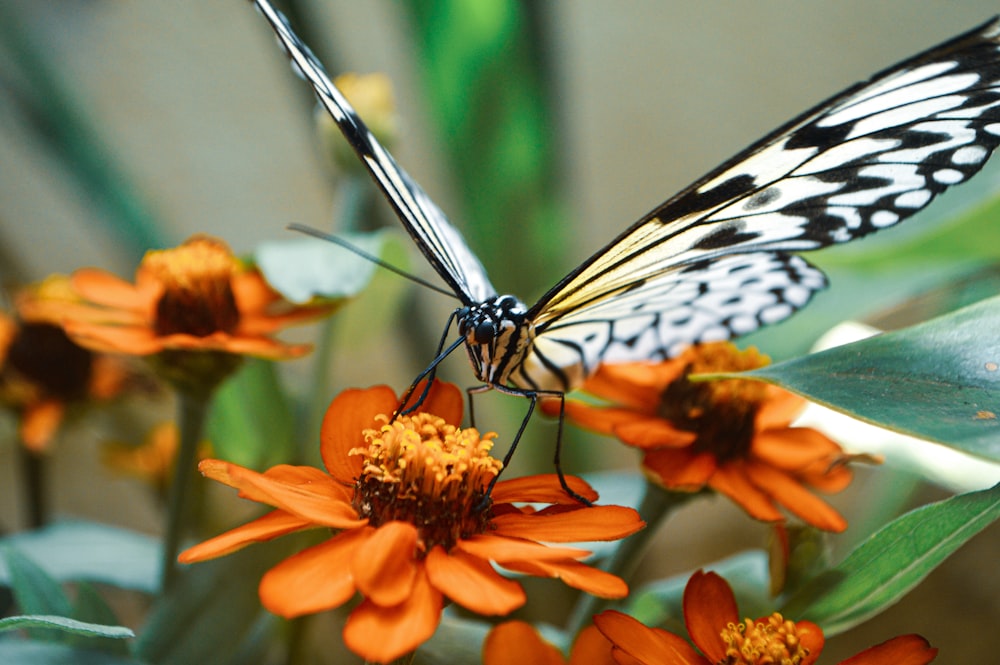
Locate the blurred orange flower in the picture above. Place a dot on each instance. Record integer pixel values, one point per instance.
(153, 460)
(42, 371)
(712, 620)
(195, 297)
(518, 643)
(414, 525)
(733, 436)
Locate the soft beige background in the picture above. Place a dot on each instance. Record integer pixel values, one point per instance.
(199, 108)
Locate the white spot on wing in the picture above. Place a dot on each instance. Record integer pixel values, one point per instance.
(948, 176)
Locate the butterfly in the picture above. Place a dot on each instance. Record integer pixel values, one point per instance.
(716, 260)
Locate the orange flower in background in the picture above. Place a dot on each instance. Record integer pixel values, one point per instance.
(42, 371)
(518, 643)
(153, 460)
(414, 525)
(195, 297)
(733, 436)
(712, 620)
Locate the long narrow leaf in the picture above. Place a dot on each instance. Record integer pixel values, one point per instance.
(891, 562)
(65, 624)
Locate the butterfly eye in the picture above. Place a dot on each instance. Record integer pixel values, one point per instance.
(485, 332)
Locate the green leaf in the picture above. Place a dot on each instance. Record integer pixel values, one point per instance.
(251, 421)
(212, 608)
(38, 653)
(90, 608)
(891, 562)
(34, 590)
(303, 268)
(65, 624)
(939, 380)
(89, 551)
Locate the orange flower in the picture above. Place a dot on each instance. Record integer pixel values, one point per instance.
(413, 523)
(712, 620)
(733, 436)
(518, 643)
(195, 297)
(153, 460)
(42, 371)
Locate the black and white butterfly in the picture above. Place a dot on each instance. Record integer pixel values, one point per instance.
(714, 261)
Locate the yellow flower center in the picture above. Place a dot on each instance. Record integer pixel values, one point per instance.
(421, 470)
(772, 641)
(197, 288)
(721, 412)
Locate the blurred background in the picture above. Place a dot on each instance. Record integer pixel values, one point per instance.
(542, 129)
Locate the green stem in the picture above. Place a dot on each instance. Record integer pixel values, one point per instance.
(192, 409)
(33, 475)
(355, 194)
(656, 506)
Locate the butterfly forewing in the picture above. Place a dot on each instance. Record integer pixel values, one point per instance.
(712, 262)
(439, 241)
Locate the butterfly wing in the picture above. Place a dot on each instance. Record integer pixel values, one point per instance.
(439, 241)
(859, 162)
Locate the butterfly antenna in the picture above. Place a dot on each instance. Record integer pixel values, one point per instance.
(340, 242)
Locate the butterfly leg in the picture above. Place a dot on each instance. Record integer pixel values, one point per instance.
(429, 373)
(533, 396)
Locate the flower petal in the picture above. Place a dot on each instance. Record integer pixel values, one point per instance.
(634, 385)
(541, 488)
(504, 550)
(382, 634)
(647, 433)
(778, 408)
(105, 289)
(317, 578)
(444, 400)
(351, 412)
(595, 418)
(574, 574)
(794, 448)
(902, 650)
(473, 583)
(591, 648)
(812, 639)
(39, 423)
(320, 501)
(124, 339)
(572, 525)
(650, 646)
(680, 469)
(518, 643)
(274, 524)
(709, 606)
(732, 481)
(385, 565)
(792, 495)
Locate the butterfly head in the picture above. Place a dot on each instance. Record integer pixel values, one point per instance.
(496, 335)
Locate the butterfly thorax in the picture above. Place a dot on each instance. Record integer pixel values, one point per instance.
(497, 335)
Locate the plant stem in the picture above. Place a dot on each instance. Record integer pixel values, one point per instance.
(33, 475)
(192, 408)
(656, 506)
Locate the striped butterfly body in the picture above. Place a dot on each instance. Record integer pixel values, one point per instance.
(715, 261)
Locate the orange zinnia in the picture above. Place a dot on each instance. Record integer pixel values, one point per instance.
(733, 436)
(712, 620)
(42, 371)
(518, 643)
(195, 297)
(414, 525)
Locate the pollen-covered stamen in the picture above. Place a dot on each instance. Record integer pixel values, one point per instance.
(771, 641)
(722, 412)
(420, 469)
(198, 294)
